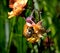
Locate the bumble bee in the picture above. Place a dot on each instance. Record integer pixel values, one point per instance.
(33, 32)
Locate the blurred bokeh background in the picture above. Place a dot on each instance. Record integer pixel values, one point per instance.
(11, 30)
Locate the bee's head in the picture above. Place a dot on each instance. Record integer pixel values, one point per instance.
(30, 31)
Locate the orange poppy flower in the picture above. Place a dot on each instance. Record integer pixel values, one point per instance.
(17, 7)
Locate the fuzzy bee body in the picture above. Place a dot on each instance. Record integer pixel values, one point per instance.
(34, 32)
(28, 31)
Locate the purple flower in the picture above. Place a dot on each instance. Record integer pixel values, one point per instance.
(30, 19)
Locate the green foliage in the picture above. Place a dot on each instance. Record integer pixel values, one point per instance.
(51, 21)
